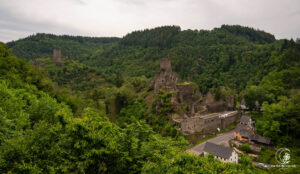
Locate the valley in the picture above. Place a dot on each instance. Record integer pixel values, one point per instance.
(72, 104)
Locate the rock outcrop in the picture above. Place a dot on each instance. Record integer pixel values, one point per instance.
(165, 79)
(194, 113)
(186, 98)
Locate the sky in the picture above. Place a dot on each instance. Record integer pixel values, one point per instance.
(107, 18)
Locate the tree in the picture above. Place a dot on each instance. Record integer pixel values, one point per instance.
(253, 94)
(245, 147)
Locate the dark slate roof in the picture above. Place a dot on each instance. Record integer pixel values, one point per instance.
(245, 119)
(240, 127)
(217, 150)
(244, 130)
(261, 139)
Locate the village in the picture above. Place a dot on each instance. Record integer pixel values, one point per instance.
(201, 116)
(228, 145)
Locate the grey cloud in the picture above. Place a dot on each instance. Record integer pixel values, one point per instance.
(12, 27)
(118, 17)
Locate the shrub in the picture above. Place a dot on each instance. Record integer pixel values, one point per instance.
(245, 147)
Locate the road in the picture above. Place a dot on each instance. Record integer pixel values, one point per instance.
(262, 165)
(220, 139)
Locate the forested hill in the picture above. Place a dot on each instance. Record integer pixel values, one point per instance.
(41, 45)
(39, 133)
(45, 128)
(231, 56)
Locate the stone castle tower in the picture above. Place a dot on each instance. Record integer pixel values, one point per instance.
(165, 65)
(57, 55)
(165, 79)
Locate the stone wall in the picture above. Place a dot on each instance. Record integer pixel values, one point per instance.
(57, 55)
(208, 123)
(165, 80)
(211, 124)
(229, 120)
(191, 125)
(165, 65)
(198, 124)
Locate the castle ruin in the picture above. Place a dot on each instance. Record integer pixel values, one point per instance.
(165, 79)
(57, 55)
(194, 112)
(165, 65)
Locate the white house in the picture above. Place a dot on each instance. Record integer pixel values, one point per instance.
(222, 153)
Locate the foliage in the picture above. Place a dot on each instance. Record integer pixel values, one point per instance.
(186, 163)
(41, 45)
(63, 126)
(267, 156)
(281, 120)
(159, 118)
(245, 147)
(230, 56)
(75, 76)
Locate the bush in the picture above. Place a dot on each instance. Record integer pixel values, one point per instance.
(245, 147)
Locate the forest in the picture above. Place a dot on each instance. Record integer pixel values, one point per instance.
(95, 113)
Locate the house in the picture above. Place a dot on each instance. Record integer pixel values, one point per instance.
(247, 120)
(244, 132)
(222, 153)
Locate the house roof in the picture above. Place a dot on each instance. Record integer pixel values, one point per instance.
(244, 130)
(240, 127)
(217, 150)
(261, 139)
(245, 119)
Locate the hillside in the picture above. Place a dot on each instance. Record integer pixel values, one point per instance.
(40, 134)
(97, 109)
(232, 56)
(74, 47)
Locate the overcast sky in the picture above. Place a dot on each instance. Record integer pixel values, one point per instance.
(20, 18)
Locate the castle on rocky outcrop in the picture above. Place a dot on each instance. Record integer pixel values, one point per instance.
(165, 79)
(191, 107)
(185, 97)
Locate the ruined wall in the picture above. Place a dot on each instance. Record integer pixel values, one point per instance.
(187, 96)
(211, 124)
(165, 80)
(230, 102)
(218, 106)
(192, 125)
(198, 124)
(227, 121)
(208, 123)
(186, 93)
